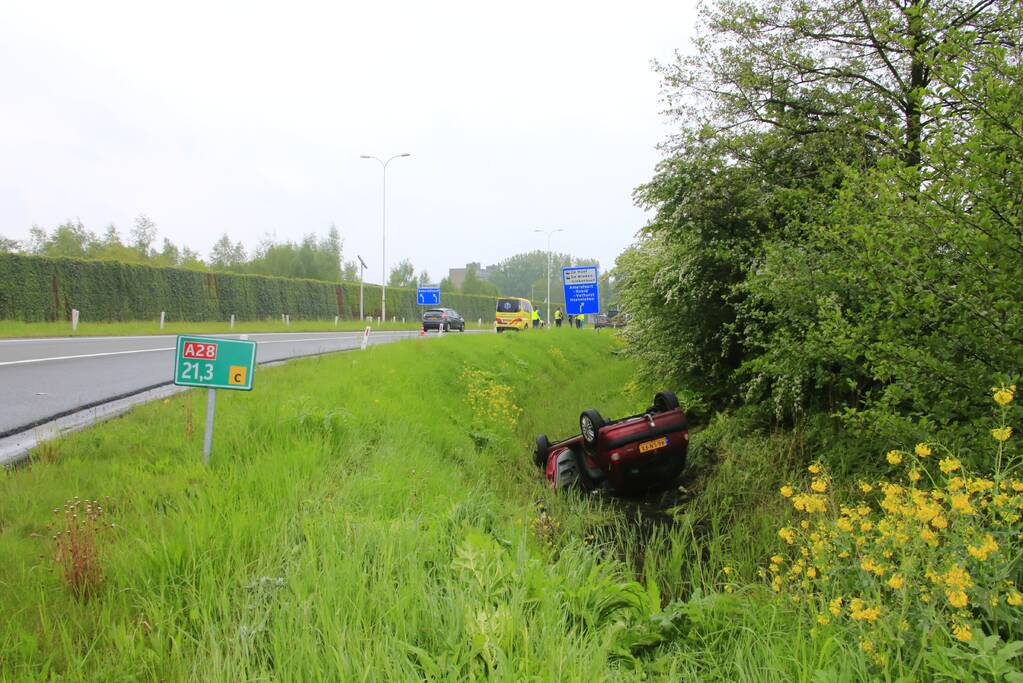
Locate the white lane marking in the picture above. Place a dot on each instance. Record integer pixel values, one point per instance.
(39, 340)
(84, 355)
(168, 348)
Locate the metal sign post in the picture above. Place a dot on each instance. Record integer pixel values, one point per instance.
(214, 363)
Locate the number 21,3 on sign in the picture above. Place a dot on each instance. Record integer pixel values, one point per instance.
(200, 372)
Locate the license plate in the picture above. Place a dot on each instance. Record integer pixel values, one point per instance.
(653, 445)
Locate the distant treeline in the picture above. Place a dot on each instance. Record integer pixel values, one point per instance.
(35, 288)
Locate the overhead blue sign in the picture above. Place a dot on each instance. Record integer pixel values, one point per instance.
(428, 296)
(581, 295)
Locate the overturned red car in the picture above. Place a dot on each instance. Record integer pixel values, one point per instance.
(628, 455)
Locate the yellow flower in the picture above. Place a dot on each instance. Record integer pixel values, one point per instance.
(1014, 599)
(866, 525)
(896, 581)
(865, 487)
(866, 646)
(823, 619)
(787, 491)
(777, 559)
(819, 485)
(914, 475)
(987, 546)
(949, 465)
(956, 598)
(1004, 394)
(815, 468)
(962, 632)
(1001, 433)
(894, 457)
(786, 535)
(961, 503)
(835, 606)
(812, 572)
(922, 450)
(870, 614)
(727, 571)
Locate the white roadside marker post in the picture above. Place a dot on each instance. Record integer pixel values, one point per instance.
(335, 321)
(163, 316)
(74, 319)
(232, 321)
(365, 339)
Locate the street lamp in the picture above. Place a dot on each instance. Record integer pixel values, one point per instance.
(548, 303)
(383, 265)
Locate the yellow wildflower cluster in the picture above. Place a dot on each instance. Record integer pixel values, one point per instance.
(910, 557)
(1003, 395)
(489, 400)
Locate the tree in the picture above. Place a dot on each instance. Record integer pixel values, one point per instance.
(350, 271)
(474, 284)
(402, 275)
(143, 232)
(827, 67)
(424, 278)
(169, 255)
(227, 255)
(9, 246)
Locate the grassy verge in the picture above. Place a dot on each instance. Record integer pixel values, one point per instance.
(373, 516)
(367, 516)
(15, 329)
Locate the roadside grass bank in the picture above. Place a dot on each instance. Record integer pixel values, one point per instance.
(375, 516)
(366, 516)
(16, 329)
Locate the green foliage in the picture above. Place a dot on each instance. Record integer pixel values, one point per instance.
(43, 289)
(402, 275)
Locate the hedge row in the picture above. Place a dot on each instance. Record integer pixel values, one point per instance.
(34, 288)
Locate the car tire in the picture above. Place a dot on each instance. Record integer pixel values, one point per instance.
(590, 424)
(462, 328)
(566, 474)
(543, 449)
(665, 401)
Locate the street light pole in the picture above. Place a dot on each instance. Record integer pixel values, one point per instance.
(383, 231)
(548, 303)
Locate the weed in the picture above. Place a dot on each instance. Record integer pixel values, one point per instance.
(78, 545)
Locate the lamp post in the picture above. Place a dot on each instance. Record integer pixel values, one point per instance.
(383, 214)
(547, 305)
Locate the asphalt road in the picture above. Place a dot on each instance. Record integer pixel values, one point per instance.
(42, 379)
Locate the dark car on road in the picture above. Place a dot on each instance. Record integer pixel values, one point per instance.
(443, 318)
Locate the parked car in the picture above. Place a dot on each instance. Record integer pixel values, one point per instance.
(628, 455)
(513, 313)
(446, 318)
(601, 320)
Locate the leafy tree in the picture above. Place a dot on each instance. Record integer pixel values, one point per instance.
(474, 284)
(143, 233)
(350, 271)
(423, 278)
(8, 246)
(225, 254)
(402, 275)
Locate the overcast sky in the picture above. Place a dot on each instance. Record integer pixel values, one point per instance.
(250, 118)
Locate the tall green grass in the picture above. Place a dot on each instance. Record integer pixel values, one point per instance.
(360, 521)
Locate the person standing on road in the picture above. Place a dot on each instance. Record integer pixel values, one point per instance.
(536, 317)
(557, 317)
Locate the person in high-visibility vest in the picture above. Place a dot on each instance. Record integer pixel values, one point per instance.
(579, 320)
(557, 317)
(536, 317)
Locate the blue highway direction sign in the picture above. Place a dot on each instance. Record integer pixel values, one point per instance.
(428, 296)
(581, 294)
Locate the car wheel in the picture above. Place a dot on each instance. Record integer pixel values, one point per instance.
(590, 424)
(543, 448)
(567, 472)
(665, 401)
